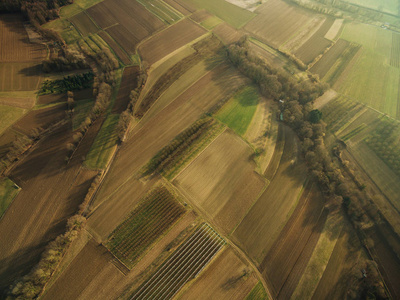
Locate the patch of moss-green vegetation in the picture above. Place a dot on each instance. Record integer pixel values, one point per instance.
(104, 144)
(238, 112)
(8, 191)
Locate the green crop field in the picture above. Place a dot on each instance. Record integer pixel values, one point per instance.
(8, 191)
(156, 213)
(9, 115)
(238, 112)
(104, 144)
(257, 293)
(232, 14)
(387, 6)
(371, 79)
(211, 22)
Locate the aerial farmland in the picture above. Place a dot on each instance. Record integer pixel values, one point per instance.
(199, 149)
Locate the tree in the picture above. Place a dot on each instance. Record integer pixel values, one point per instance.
(315, 116)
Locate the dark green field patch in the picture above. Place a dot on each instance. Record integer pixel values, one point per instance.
(157, 212)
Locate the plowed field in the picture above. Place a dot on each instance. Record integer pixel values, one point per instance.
(116, 48)
(170, 40)
(277, 22)
(128, 83)
(84, 23)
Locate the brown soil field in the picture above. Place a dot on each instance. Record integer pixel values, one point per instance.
(40, 118)
(116, 48)
(273, 166)
(344, 257)
(91, 261)
(134, 21)
(170, 40)
(124, 38)
(388, 260)
(322, 66)
(227, 33)
(84, 23)
(18, 102)
(221, 180)
(315, 45)
(6, 140)
(181, 6)
(277, 21)
(83, 94)
(34, 218)
(227, 277)
(262, 225)
(52, 98)
(145, 141)
(183, 265)
(200, 15)
(287, 249)
(20, 76)
(15, 42)
(128, 83)
(110, 278)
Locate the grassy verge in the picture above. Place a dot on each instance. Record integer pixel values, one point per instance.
(81, 110)
(238, 112)
(104, 144)
(78, 5)
(8, 191)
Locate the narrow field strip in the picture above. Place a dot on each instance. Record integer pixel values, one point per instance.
(184, 264)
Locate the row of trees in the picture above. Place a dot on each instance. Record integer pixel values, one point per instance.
(297, 110)
(167, 155)
(68, 60)
(69, 83)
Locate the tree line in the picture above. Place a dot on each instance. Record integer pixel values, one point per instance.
(69, 83)
(296, 104)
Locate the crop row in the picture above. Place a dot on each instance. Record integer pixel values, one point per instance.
(184, 264)
(156, 213)
(395, 54)
(385, 142)
(339, 111)
(173, 151)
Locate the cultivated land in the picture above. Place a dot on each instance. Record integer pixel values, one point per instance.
(277, 22)
(388, 6)
(227, 277)
(169, 40)
(232, 14)
(230, 210)
(360, 81)
(207, 184)
(261, 226)
(238, 112)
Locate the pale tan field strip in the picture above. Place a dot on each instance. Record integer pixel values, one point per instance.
(184, 265)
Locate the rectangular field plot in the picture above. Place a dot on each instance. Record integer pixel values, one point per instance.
(158, 212)
(316, 45)
(183, 265)
(222, 181)
(84, 23)
(277, 22)
(14, 41)
(116, 48)
(232, 14)
(161, 10)
(370, 78)
(239, 110)
(333, 62)
(169, 40)
(181, 6)
(227, 277)
(19, 76)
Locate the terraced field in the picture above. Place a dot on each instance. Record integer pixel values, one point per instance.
(183, 265)
(158, 211)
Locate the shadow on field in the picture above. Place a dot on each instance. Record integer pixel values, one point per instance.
(33, 70)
